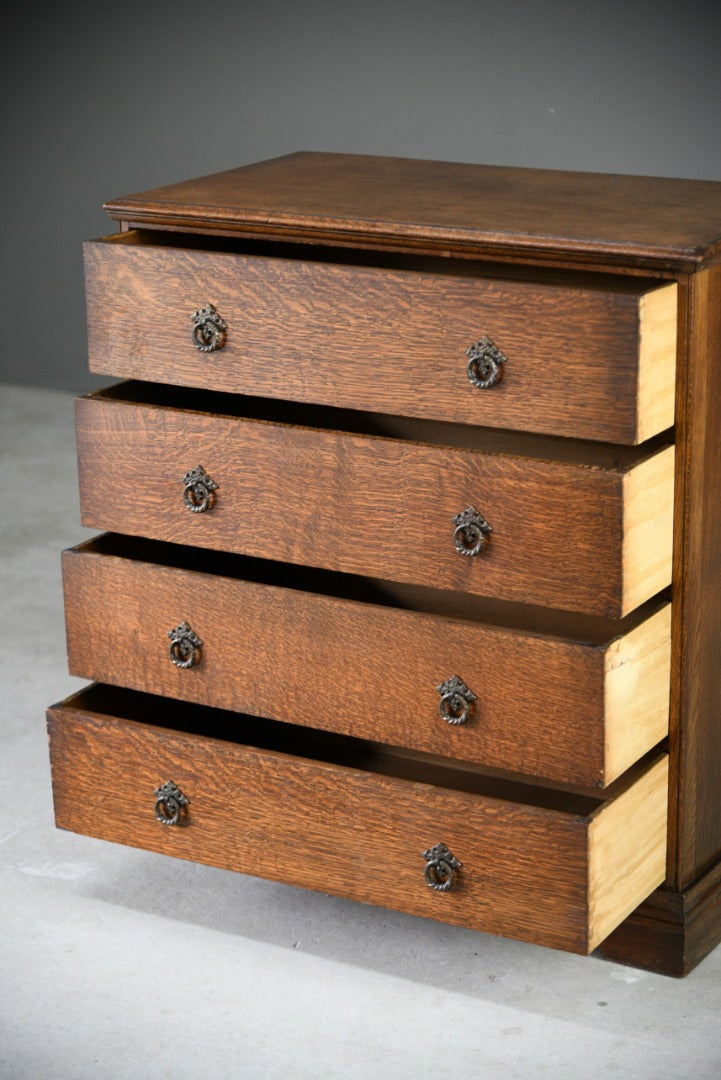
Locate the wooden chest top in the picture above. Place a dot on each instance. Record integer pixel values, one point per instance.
(447, 207)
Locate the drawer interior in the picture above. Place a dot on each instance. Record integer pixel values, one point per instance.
(487, 440)
(345, 751)
(386, 260)
(525, 618)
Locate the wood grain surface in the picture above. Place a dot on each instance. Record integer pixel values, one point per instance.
(545, 707)
(672, 931)
(356, 281)
(447, 206)
(349, 831)
(594, 363)
(697, 724)
(637, 690)
(381, 507)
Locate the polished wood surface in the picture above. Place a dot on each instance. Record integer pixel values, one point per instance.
(527, 871)
(447, 206)
(672, 931)
(583, 361)
(602, 495)
(548, 707)
(563, 535)
(698, 590)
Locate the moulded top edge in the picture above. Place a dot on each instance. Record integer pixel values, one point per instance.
(636, 220)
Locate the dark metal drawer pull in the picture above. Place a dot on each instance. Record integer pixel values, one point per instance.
(198, 490)
(472, 529)
(185, 646)
(169, 803)
(456, 700)
(484, 363)
(441, 866)
(208, 329)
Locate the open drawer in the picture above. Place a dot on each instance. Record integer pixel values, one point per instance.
(576, 526)
(545, 694)
(584, 355)
(351, 818)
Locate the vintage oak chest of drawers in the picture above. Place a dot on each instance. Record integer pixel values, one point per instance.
(407, 587)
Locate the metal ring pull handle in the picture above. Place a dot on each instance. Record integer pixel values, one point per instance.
(185, 646)
(441, 866)
(169, 803)
(485, 362)
(208, 329)
(456, 700)
(472, 529)
(199, 490)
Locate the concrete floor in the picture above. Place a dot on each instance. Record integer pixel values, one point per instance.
(123, 964)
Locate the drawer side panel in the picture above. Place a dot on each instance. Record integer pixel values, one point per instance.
(627, 851)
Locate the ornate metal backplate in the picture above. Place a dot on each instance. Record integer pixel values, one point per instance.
(208, 329)
(472, 529)
(441, 866)
(456, 700)
(185, 646)
(198, 489)
(484, 363)
(169, 803)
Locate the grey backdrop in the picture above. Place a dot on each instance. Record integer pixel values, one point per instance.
(106, 100)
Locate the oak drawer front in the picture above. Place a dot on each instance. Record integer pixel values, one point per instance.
(544, 706)
(552, 876)
(589, 362)
(564, 535)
